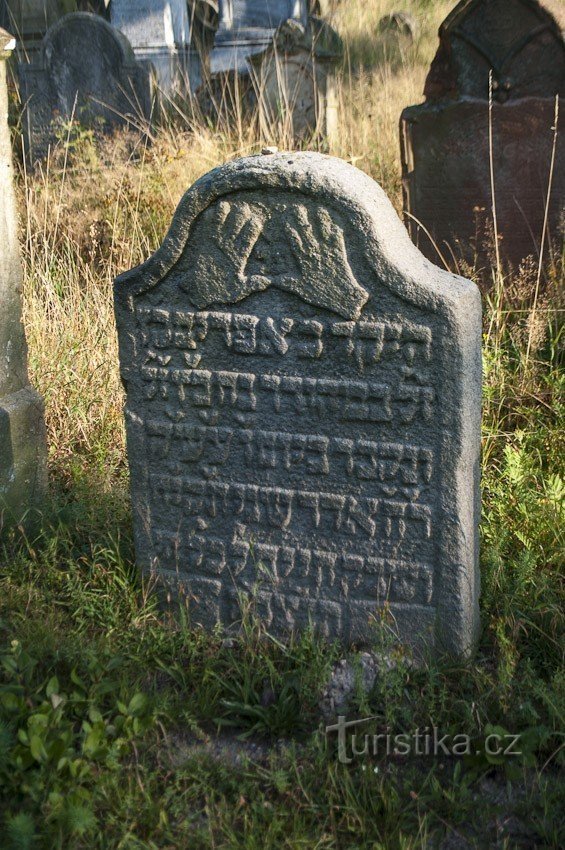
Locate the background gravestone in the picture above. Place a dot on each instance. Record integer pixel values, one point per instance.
(303, 408)
(23, 471)
(29, 20)
(87, 72)
(294, 79)
(445, 143)
(247, 27)
(399, 26)
(159, 32)
(278, 58)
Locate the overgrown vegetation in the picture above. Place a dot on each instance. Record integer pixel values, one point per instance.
(109, 706)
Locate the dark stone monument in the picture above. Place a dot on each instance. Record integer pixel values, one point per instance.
(303, 409)
(23, 453)
(446, 142)
(87, 72)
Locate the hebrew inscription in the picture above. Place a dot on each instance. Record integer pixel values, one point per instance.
(288, 412)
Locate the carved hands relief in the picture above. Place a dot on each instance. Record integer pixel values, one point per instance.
(245, 247)
(232, 231)
(325, 279)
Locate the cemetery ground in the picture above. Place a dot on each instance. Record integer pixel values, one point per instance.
(110, 706)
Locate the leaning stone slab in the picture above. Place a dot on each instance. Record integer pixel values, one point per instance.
(294, 81)
(111, 89)
(280, 62)
(23, 476)
(303, 409)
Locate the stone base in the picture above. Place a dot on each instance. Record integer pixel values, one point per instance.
(23, 457)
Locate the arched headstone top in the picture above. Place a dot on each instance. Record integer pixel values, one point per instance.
(86, 72)
(519, 41)
(371, 242)
(77, 31)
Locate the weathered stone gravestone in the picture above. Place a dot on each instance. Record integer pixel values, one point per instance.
(29, 20)
(247, 27)
(159, 32)
(282, 61)
(87, 73)
(294, 81)
(446, 146)
(398, 25)
(303, 408)
(23, 470)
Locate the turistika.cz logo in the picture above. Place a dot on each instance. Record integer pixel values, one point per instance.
(428, 741)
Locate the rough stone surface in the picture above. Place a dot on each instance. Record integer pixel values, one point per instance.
(446, 150)
(87, 72)
(447, 179)
(22, 431)
(281, 67)
(295, 81)
(348, 677)
(303, 408)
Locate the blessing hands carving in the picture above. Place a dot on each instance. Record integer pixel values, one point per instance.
(231, 232)
(325, 279)
(312, 262)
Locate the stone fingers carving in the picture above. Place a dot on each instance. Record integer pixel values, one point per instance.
(325, 278)
(232, 231)
(314, 253)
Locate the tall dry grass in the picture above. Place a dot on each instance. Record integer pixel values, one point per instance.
(97, 208)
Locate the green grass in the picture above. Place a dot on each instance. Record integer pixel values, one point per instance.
(101, 691)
